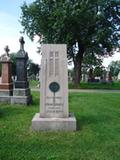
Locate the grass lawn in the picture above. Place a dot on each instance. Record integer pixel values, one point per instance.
(98, 137)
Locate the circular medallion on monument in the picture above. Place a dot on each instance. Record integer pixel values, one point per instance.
(54, 87)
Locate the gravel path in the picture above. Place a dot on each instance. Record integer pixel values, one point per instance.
(87, 90)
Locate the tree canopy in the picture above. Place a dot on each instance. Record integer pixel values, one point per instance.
(33, 69)
(88, 27)
(114, 67)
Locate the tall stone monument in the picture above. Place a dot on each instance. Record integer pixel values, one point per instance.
(6, 85)
(54, 112)
(21, 92)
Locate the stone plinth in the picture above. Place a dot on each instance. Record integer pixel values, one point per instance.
(21, 91)
(5, 99)
(6, 85)
(54, 113)
(21, 84)
(53, 124)
(24, 100)
(21, 96)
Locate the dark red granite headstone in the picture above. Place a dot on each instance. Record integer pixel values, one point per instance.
(6, 81)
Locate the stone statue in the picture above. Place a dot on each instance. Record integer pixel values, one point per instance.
(21, 53)
(5, 56)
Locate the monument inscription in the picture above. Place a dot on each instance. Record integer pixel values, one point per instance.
(54, 87)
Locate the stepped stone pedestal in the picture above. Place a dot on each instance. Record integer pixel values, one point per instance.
(6, 85)
(54, 113)
(21, 91)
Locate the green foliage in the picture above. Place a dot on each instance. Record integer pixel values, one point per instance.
(87, 27)
(97, 137)
(34, 83)
(114, 67)
(33, 69)
(91, 60)
(98, 71)
(111, 86)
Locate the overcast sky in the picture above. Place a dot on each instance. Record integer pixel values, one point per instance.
(10, 31)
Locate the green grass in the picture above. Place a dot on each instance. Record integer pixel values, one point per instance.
(34, 84)
(113, 86)
(97, 137)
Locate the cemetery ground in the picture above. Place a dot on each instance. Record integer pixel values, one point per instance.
(97, 137)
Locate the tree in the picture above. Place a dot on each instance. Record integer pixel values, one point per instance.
(33, 69)
(114, 67)
(98, 71)
(88, 27)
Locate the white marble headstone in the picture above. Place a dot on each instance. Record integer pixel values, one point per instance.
(54, 82)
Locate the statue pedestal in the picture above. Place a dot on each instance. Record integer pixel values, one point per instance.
(6, 85)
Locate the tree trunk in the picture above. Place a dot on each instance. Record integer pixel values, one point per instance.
(77, 72)
(78, 66)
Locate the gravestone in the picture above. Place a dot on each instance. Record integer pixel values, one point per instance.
(90, 75)
(6, 85)
(54, 113)
(21, 91)
(118, 76)
(110, 77)
(104, 77)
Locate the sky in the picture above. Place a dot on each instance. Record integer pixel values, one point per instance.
(10, 28)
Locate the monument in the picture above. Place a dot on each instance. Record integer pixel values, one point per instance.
(21, 91)
(118, 76)
(54, 114)
(6, 85)
(90, 75)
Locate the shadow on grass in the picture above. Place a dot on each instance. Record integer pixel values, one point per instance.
(1, 113)
(91, 119)
(11, 111)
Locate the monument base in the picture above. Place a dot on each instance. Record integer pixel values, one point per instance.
(6, 86)
(5, 95)
(5, 99)
(53, 124)
(21, 96)
(25, 100)
(6, 92)
(21, 84)
(21, 92)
